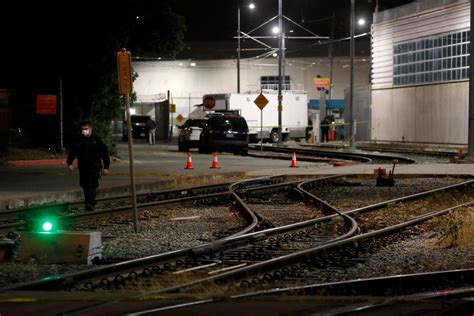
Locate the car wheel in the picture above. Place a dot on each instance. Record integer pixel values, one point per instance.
(244, 151)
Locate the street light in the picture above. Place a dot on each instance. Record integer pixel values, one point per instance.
(280, 61)
(361, 21)
(351, 93)
(251, 6)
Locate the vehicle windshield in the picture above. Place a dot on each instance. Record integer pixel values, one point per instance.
(230, 123)
(196, 123)
(140, 119)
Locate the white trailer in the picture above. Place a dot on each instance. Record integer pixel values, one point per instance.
(294, 114)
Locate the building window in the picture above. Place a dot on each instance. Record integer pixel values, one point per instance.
(271, 82)
(435, 59)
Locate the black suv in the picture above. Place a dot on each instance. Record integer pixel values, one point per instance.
(225, 133)
(138, 126)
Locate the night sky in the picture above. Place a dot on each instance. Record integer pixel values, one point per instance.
(46, 39)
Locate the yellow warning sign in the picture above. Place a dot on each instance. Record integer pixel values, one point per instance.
(172, 108)
(261, 101)
(179, 118)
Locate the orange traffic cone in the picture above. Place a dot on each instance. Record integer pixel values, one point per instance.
(189, 164)
(293, 161)
(215, 163)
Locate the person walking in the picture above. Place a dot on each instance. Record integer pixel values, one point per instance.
(151, 129)
(93, 161)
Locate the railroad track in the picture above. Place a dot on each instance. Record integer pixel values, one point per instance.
(169, 269)
(293, 255)
(14, 219)
(330, 156)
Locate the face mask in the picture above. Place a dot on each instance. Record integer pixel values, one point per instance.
(86, 132)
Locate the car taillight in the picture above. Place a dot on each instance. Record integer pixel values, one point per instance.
(247, 135)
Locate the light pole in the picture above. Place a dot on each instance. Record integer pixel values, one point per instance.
(251, 6)
(280, 55)
(331, 55)
(351, 89)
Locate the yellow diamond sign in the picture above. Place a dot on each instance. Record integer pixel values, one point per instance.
(179, 118)
(261, 101)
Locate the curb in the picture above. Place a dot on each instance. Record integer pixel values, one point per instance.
(72, 196)
(39, 162)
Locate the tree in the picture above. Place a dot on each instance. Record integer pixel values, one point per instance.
(158, 31)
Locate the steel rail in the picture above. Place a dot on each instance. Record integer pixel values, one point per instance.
(378, 285)
(225, 243)
(58, 281)
(362, 157)
(274, 261)
(310, 154)
(164, 195)
(286, 259)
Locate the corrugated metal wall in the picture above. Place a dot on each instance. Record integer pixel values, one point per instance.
(434, 113)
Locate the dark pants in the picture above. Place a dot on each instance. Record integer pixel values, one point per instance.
(325, 134)
(89, 181)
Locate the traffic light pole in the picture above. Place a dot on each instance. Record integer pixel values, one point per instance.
(280, 57)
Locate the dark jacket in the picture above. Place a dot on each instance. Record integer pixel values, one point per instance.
(91, 152)
(150, 124)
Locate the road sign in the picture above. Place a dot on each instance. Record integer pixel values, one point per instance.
(172, 108)
(209, 102)
(261, 101)
(46, 104)
(321, 82)
(124, 69)
(179, 118)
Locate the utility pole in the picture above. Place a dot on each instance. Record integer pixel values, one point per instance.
(238, 49)
(61, 127)
(351, 89)
(331, 54)
(280, 55)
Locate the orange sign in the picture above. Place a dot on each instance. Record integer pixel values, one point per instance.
(46, 104)
(322, 82)
(124, 68)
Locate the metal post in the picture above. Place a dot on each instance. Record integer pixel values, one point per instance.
(331, 54)
(61, 133)
(351, 93)
(261, 131)
(238, 49)
(171, 124)
(130, 156)
(470, 127)
(280, 55)
(283, 64)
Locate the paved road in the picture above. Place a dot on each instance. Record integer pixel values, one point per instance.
(151, 164)
(164, 161)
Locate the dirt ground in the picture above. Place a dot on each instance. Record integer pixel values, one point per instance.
(12, 153)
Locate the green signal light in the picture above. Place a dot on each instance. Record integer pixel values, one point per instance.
(47, 226)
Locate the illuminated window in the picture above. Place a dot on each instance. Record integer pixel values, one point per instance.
(434, 59)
